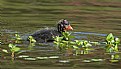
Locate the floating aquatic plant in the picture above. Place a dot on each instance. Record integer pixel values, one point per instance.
(67, 36)
(17, 38)
(112, 46)
(66, 43)
(112, 43)
(31, 39)
(82, 47)
(32, 42)
(58, 42)
(85, 47)
(13, 49)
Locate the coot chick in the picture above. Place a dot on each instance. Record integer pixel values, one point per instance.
(46, 35)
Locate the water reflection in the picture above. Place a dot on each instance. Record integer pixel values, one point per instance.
(90, 33)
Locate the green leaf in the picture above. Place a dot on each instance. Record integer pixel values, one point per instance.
(111, 49)
(110, 37)
(15, 49)
(85, 42)
(18, 37)
(67, 35)
(11, 45)
(116, 48)
(117, 56)
(117, 40)
(75, 47)
(78, 42)
(71, 36)
(72, 42)
(65, 41)
(31, 39)
(88, 45)
(58, 39)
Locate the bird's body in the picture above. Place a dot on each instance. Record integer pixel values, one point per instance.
(47, 35)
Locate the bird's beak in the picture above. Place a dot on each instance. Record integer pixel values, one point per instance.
(68, 27)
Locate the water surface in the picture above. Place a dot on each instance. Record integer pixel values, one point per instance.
(91, 20)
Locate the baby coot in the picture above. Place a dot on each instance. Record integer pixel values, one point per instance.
(47, 35)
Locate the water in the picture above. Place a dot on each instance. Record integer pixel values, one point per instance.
(89, 33)
(91, 20)
(44, 55)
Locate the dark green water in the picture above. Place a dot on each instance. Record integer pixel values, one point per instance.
(91, 20)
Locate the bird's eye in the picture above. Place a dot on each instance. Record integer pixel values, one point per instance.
(66, 24)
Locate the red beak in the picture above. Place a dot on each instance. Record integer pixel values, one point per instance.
(68, 27)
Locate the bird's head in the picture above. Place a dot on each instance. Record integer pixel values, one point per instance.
(64, 25)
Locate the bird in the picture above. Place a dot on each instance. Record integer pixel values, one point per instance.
(46, 35)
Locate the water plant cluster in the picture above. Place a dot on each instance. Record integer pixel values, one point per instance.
(79, 46)
(13, 49)
(66, 43)
(112, 47)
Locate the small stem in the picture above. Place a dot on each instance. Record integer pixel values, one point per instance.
(30, 41)
(12, 56)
